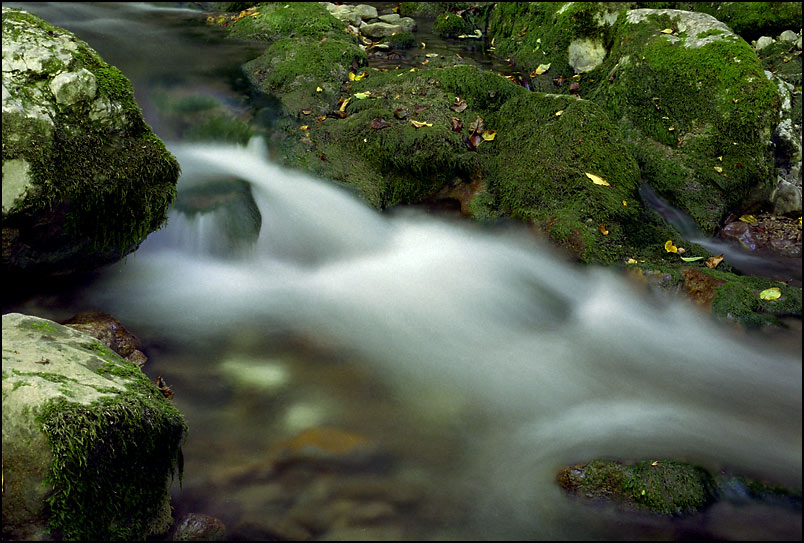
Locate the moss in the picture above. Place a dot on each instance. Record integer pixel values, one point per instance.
(125, 446)
(681, 108)
(450, 25)
(429, 9)
(738, 300)
(44, 327)
(752, 19)
(278, 20)
(664, 487)
(400, 40)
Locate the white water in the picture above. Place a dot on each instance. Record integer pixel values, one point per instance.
(567, 364)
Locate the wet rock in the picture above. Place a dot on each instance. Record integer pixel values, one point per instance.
(763, 42)
(770, 234)
(700, 287)
(199, 527)
(111, 333)
(62, 210)
(663, 487)
(326, 446)
(380, 30)
(741, 233)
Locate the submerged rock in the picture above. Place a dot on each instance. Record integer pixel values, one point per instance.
(85, 180)
(90, 446)
(199, 527)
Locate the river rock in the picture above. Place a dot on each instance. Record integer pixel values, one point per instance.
(90, 446)
(379, 30)
(199, 527)
(85, 180)
(763, 42)
(111, 333)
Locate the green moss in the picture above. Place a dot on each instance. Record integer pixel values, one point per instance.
(125, 446)
(753, 19)
(429, 9)
(738, 300)
(278, 20)
(401, 40)
(664, 487)
(44, 327)
(450, 25)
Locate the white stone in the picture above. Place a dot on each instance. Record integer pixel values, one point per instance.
(690, 23)
(380, 30)
(763, 42)
(347, 14)
(585, 55)
(71, 87)
(786, 198)
(788, 35)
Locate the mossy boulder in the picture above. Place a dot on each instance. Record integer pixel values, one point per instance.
(85, 180)
(751, 19)
(450, 25)
(272, 21)
(90, 446)
(659, 486)
(695, 107)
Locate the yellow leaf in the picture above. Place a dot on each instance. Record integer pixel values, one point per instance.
(304, 127)
(770, 293)
(669, 247)
(748, 218)
(418, 124)
(630, 261)
(318, 89)
(343, 104)
(541, 69)
(667, 31)
(361, 76)
(362, 95)
(713, 261)
(351, 76)
(720, 158)
(597, 180)
(625, 203)
(488, 135)
(654, 463)
(691, 258)
(603, 229)
(718, 169)
(671, 128)
(559, 112)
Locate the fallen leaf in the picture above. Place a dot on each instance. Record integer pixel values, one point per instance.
(748, 218)
(306, 111)
(378, 124)
(418, 108)
(431, 55)
(630, 261)
(603, 230)
(667, 31)
(559, 112)
(400, 113)
(322, 118)
(418, 124)
(362, 95)
(718, 169)
(304, 127)
(772, 293)
(477, 125)
(475, 139)
(468, 143)
(459, 105)
(691, 258)
(457, 124)
(625, 203)
(597, 180)
(720, 158)
(671, 128)
(318, 89)
(654, 463)
(713, 261)
(574, 86)
(489, 135)
(344, 103)
(669, 247)
(540, 70)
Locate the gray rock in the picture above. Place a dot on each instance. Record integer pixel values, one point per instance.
(345, 13)
(76, 418)
(57, 91)
(199, 527)
(763, 42)
(408, 24)
(788, 35)
(585, 55)
(380, 30)
(366, 12)
(787, 197)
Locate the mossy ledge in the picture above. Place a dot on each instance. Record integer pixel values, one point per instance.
(121, 446)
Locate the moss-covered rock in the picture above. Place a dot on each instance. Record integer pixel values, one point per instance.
(85, 180)
(272, 21)
(751, 19)
(695, 107)
(450, 25)
(664, 487)
(90, 446)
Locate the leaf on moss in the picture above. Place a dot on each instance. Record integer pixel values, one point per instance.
(343, 103)
(378, 124)
(488, 135)
(418, 124)
(400, 113)
(713, 261)
(748, 218)
(477, 125)
(306, 111)
(559, 113)
(304, 127)
(667, 31)
(457, 124)
(362, 95)
(603, 229)
(630, 261)
(691, 258)
(772, 293)
(718, 169)
(540, 70)
(418, 108)
(669, 247)
(459, 105)
(318, 89)
(597, 180)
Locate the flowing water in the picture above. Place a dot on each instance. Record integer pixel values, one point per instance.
(476, 359)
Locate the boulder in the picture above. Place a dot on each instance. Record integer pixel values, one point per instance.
(380, 30)
(90, 446)
(695, 107)
(85, 180)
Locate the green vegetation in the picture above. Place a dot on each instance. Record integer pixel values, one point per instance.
(277, 20)
(401, 40)
(450, 25)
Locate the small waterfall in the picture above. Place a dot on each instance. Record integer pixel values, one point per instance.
(566, 364)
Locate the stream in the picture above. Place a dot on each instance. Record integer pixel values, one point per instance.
(470, 363)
